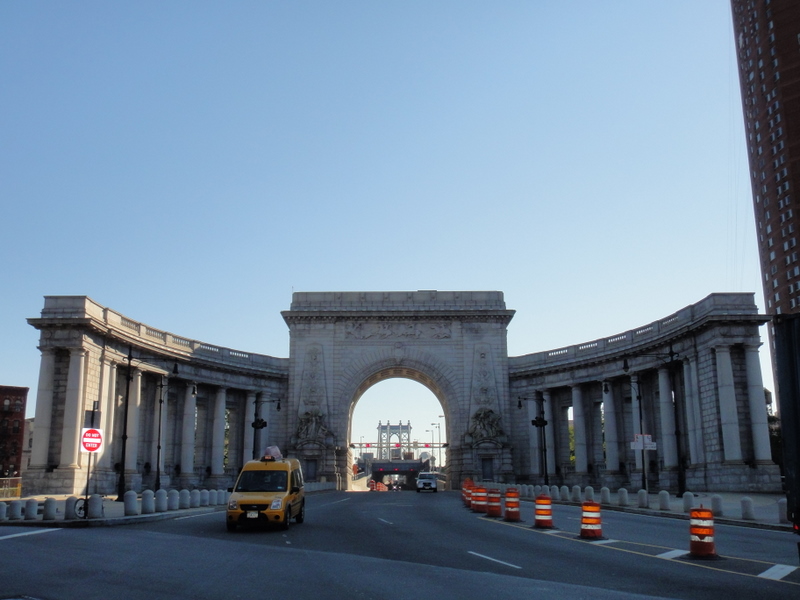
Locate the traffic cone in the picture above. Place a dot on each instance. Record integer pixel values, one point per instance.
(512, 505)
(543, 512)
(701, 533)
(591, 523)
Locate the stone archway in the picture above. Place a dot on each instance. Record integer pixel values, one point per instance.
(454, 343)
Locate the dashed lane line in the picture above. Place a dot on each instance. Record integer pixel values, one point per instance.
(493, 559)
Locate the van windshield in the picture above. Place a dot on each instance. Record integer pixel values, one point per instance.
(262, 481)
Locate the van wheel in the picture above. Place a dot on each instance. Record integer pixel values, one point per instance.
(230, 525)
(301, 516)
(287, 517)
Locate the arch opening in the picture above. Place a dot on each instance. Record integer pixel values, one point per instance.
(399, 421)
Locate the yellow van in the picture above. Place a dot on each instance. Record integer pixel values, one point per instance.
(269, 490)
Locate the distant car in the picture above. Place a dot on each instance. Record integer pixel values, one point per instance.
(426, 481)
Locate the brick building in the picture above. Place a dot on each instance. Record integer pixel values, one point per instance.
(12, 429)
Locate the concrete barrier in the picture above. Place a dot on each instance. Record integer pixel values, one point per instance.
(3, 511)
(15, 510)
(161, 501)
(622, 497)
(605, 495)
(716, 505)
(588, 493)
(31, 509)
(748, 512)
(69, 509)
(173, 500)
(564, 491)
(688, 502)
(94, 507)
(49, 511)
(663, 500)
(576, 493)
(148, 502)
(194, 499)
(131, 503)
(203, 497)
(212, 497)
(644, 499)
(185, 499)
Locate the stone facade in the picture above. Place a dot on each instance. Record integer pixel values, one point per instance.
(692, 381)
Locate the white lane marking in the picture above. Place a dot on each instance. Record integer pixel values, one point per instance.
(337, 502)
(13, 535)
(777, 572)
(601, 542)
(671, 554)
(195, 516)
(385, 521)
(494, 560)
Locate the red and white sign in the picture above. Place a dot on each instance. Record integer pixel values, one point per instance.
(91, 440)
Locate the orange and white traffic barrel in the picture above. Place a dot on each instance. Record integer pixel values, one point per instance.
(467, 495)
(371, 485)
(591, 522)
(701, 533)
(479, 499)
(493, 506)
(512, 505)
(543, 512)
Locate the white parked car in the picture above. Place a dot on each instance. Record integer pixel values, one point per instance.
(426, 481)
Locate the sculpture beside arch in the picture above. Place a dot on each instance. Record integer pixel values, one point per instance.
(692, 381)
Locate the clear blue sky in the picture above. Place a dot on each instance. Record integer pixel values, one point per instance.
(190, 164)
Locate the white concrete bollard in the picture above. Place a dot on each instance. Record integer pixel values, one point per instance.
(716, 505)
(148, 502)
(576, 493)
(194, 498)
(537, 490)
(69, 509)
(644, 499)
(564, 491)
(747, 509)
(622, 497)
(31, 509)
(555, 494)
(663, 500)
(15, 510)
(185, 499)
(131, 502)
(95, 507)
(161, 501)
(203, 497)
(173, 500)
(782, 516)
(588, 493)
(212, 497)
(605, 495)
(49, 511)
(688, 502)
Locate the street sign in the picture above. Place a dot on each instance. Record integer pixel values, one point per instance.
(643, 442)
(91, 440)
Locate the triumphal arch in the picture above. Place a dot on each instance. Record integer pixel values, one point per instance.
(180, 413)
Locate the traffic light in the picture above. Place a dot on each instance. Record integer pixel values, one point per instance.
(259, 423)
(539, 422)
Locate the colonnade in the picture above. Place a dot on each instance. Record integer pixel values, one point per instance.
(696, 424)
(163, 432)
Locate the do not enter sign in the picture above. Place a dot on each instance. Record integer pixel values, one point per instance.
(91, 440)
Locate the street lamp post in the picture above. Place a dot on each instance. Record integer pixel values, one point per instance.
(540, 423)
(433, 458)
(259, 423)
(439, 449)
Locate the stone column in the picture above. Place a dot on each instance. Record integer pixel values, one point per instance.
(610, 428)
(108, 397)
(579, 426)
(249, 433)
(73, 409)
(758, 406)
(218, 434)
(669, 447)
(729, 417)
(134, 410)
(637, 415)
(550, 437)
(44, 410)
(691, 412)
(187, 431)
